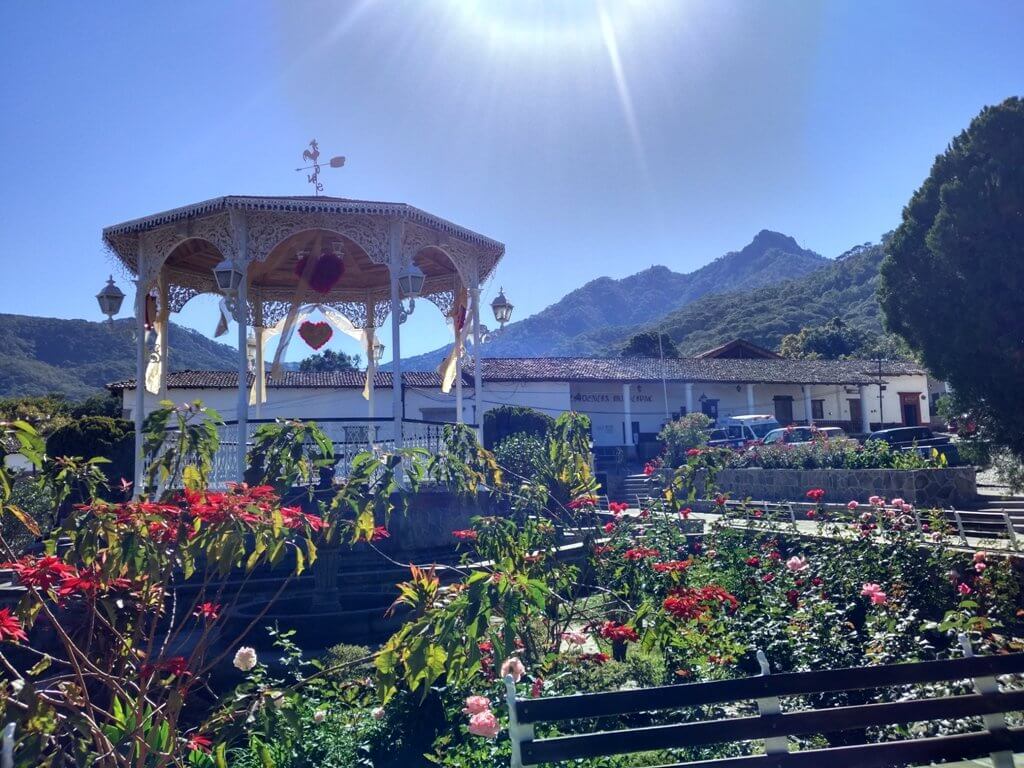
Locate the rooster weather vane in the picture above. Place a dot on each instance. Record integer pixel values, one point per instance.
(312, 156)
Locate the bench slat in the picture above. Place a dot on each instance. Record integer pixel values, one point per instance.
(964, 746)
(741, 689)
(763, 726)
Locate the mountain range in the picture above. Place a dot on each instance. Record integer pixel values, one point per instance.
(598, 317)
(43, 355)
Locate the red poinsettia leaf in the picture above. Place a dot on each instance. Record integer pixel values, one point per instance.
(315, 334)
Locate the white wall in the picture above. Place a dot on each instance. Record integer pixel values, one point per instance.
(602, 402)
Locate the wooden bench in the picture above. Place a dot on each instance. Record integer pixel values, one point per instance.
(772, 726)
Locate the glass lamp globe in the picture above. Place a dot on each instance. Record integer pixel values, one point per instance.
(110, 299)
(228, 276)
(410, 282)
(502, 308)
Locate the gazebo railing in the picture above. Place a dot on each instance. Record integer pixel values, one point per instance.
(349, 437)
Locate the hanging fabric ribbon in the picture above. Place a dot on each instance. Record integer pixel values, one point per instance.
(223, 320)
(156, 320)
(371, 363)
(267, 335)
(459, 313)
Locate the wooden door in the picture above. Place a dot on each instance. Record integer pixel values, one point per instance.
(784, 410)
(910, 408)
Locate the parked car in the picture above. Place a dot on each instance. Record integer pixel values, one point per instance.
(797, 435)
(738, 431)
(920, 439)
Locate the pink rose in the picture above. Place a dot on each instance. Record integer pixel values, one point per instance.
(980, 556)
(979, 567)
(476, 704)
(876, 501)
(964, 589)
(796, 564)
(852, 505)
(898, 502)
(574, 638)
(514, 667)
(874, 591)
(484, 724)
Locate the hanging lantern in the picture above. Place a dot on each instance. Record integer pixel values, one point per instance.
(410, 282)
(110, 299)
(378, 350)
(502, 308)
(228, 276)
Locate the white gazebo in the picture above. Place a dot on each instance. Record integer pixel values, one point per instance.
(260, 254)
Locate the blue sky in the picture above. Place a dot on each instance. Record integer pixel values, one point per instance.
(593, 138)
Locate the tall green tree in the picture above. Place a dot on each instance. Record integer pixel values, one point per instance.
(646, 345)
(329, 360)
(953, 280)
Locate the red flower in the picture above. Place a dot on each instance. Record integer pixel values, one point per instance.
(693, 452)
(208, 611)
(536, 688)
(688, 603)
(602, 549)
(754, 561)
(648, 469)
(10, 627)
(816, 494)
(639, 553)
(610, 630)
(768, 578)
(597, 658)
(811, 514)
(466, 534)
(41, 573)
(758, 514)
(672, 566)
(295, 518)
(685, 513)
(720, 500)
(816, 581)
(792, 596)
(609, 527)
(617, 507)
(582, 502)
(380, 532)
(81, 585)
(175, 665)
(200, 743)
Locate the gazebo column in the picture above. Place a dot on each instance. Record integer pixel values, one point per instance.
(259, 372)
(394, 265)
(242, 406)
(459, 419)
(478, 363)
(164, 317)
(138, 412)
(371, 373)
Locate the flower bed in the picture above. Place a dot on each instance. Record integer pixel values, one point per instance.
(922, 487)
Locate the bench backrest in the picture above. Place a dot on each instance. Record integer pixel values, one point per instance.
(773, 726)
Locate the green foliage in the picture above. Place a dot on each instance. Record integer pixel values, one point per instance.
(289, 453)
(682, 435)
(98, 437)
(520, 455)
(650, 344)
(952, 281)
(835, 453)
(507, 420)
(832, 340)
(77, 358)
(330, 360)
(180, 442)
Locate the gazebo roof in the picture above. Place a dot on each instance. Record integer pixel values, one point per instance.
(270, 234)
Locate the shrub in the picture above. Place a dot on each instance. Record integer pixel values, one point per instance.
(98, 437)
(506, 420)
(837, 453)
(520, 455)
(681, 435)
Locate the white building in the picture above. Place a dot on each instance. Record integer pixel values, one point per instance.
(627, 399)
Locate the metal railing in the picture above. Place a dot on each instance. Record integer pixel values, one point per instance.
(349, 437)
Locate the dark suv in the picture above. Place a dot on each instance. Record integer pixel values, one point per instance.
(920, 439)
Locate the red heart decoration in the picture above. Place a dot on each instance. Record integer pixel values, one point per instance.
(315, 334)
(325, 272)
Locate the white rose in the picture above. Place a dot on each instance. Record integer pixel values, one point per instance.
(319, 716)
(245, 658)
(377, 713)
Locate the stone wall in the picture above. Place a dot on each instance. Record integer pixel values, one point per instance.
(952, 486)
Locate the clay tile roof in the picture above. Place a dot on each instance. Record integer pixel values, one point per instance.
(633, 369)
